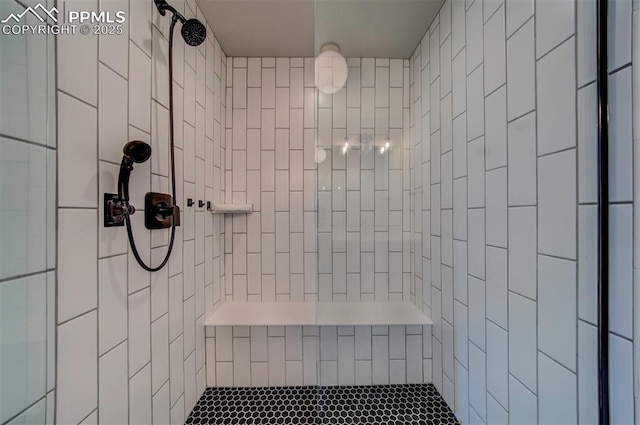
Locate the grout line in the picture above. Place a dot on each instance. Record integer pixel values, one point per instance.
(26, 409)
(28, 142)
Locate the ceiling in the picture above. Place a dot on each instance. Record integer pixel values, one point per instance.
(362, 28)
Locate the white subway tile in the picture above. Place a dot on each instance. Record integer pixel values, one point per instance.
(522, 251)
(113, 120)
(310, 366)
(587, 144)
(346, 360)
(520, 66)
(476, 169)
(620, 272)
(380, 360)
(282, 107)
(523, 404)
(461, 340)
(175, 306)
(113, 379)
(78, 265)
(587, 372)
(496, 129)
(556, 96)
(477, 312)
(522, 340)
(522, 161)
(458, 79)
(139, 88)
(254, 68)
(620, 170)
(112, 302)
(239, 88)
(474, 42)
(496, 215)
(475, 104)
(497, 363)
(140, 397)
(587, 264)
(79, 78)
(586, 41)
(557, 309)
(430, 103)
(253, 107)
(477, 242)
(621, 384)
(77, 155)
(159, 352)
(460, 208)
(494, 52)
(445, 67)
(77, 369)
(460, 271)
(462, 374)
(620, 17)
(448, 351)
(557, 200)
(268, 88)
(368, 72)
(496, 414)
(176, 371)
(518, 12)
(497, 294)
(277, 370)
(457, 26)
(241, 362)
(558, 398)
(555, 21)
(282, 72)
(139, 340)
(477, 380)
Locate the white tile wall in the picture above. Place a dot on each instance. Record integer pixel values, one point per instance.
(490, 176)
(361, 204)
(524, 161)
(154, 323)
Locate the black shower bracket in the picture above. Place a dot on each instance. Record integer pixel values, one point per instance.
(115, 210)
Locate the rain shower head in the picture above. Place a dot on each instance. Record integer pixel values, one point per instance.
(193, 31)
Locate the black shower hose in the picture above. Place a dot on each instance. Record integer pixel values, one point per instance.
(132, 241)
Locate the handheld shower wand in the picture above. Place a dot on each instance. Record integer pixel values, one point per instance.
(161, 211)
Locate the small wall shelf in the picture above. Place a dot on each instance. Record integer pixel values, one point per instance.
(308, 313)
(231, 208)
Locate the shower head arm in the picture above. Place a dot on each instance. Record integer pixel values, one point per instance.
(163, 7)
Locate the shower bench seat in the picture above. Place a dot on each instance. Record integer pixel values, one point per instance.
(310, 313)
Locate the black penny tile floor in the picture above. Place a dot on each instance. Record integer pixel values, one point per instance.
(411, 404)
